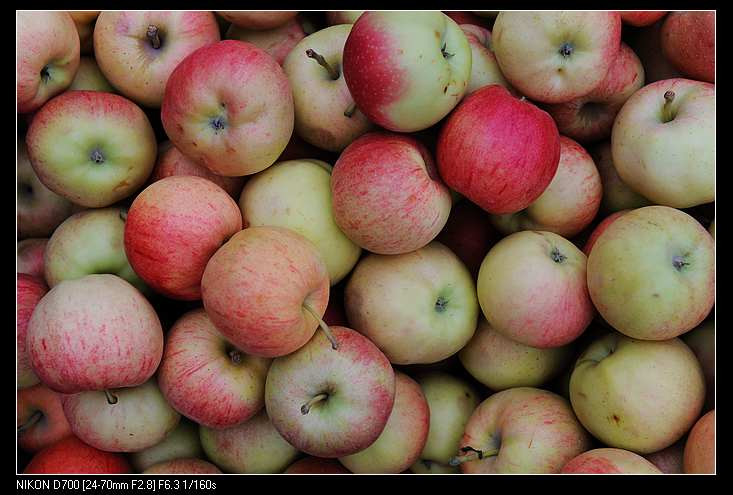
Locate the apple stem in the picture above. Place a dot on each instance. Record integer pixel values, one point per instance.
(123, 215)
(305, 408)
(329, 335)
(35, 418)
(111, 398)
(322, 62)
(667, 114)
(471, 454)
(153, 36)
(350, 110)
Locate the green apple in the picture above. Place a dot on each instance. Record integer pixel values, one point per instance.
(617, 195)
(89, 77)
(181, 443)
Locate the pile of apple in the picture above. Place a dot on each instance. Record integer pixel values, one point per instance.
(381, 242)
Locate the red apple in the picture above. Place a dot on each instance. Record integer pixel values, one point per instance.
(252, 19)
(609, 461)
(30, 256)
(316, 465)
(498, 151)
(30, 290)
(278, 41)
(72, 456)
(469, 234)
(699, 456)
(600, 228)
(688, 42)
(464, 17)
(641, 18)
(41, 418)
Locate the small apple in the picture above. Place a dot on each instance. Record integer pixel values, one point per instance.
(29, 259)
(183, 466)
(29, 292)
(484, 68)
(72, 456)
(90, 78)
(617, 195)
(316, 465)
(181, 443)
(609, 461)
(277, 42)
(699, 454)
(41, 419)
(688, 42)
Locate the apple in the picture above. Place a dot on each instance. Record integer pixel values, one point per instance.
(298, 149)
(183, 466)
(699, 453)
(467, 18)
(469, 234)
(406, 70)
(663, 142)
(637, 395)
(316, 465)
(343, 16)
(325, 113)
(387, 195)
(641, 18)
(278, 41)
(668, 460)
(617, 195)
(279, 284)
(88, 77)
(39, 210)
(207, 379)
(180, 443)
(590, 117)
(651, 273)
(702, 342)
(121, 420)
(47, 57)
(569, 204)
(41, 420)
(331, 402)
(84, 20)
(688, 42)
(647, 44)
(404, 436)
(252, 19)
(252, 447)
(173, 228)
(501, 363)
(72, 456)
(29, 259)
(521, 430)
(600, 228)
(88, 242)
(138, 50)
(532, 289)
(484, 68)
(94, 333)
(229, 107)
(499, 151)
(609, 461)
(296, 194)
(451, 401)
(29, 292)
(418, 307)
(556, 56)
(110, 157)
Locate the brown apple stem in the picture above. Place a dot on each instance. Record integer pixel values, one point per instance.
(35, 418)
(111, 398)
(123, 215)
(471, 454)
(305, 408)
(667, 114)
(350, 110)
(322, 62)
(329, 335)
(153, 36)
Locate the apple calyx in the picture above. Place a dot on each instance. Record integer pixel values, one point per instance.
(45, 74)
(111, 398)
(236, 356)
(440, 304)
(333, 73)
(445, 54)
(329, 335)
(305, 408)
(350, 110)
(35, 418)
(153, 36)
(557, 256)
(566, 49)
(679, 262)
(470, 454)
(667, 112)
(96, 156)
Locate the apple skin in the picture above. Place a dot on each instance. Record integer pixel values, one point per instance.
(590, 118)
(181, 443)
(253, 19)
(40, 210)
(532, 289)
(469, 234)
(88, 242)
(236, 116)
(609, 461)
(617, 195)
(343, 16)
(641, 18)
(277, 42)
(688, 42)
(647, 44)
(418, 307)
(637, 395)
(72, 456)
(183, 466)
(29, 259)
(125, 48)
(451, 401)
(669, 460)
(322, 101)
(404, 55)
(94, 333)
(699, 454)
(84, 21)
(651, 273)
(484, 68)
(534, 431)
(139, 418)
(501, 363)
(205, 378)
(665, 150)
(48, 56)
(702, 342)
(111, 133)
(90, 78)
(51, 426)
(569, 204)
(467, 18)
(253, 447)
(270, 274)
(316, 465)
(173, 228)
(296, 194)
(600, 228)
(404, 436)
(498, 151)
(555, 57)
(357, 380)
(29, 292)
(387, 195)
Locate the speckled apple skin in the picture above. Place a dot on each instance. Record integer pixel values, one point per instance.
(72, 456)
(258, 19)
(30, 256)
(52, 426)
(30, 290)
(641, 18)
(699, 454)
(609, 461)
(278, 41)
(688, 42)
